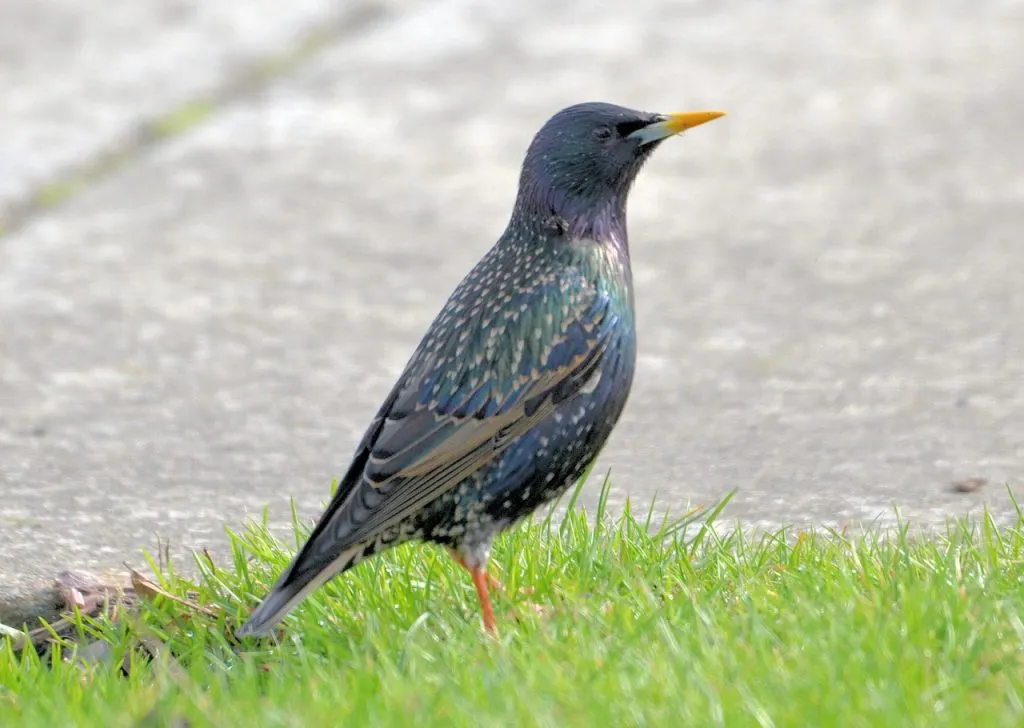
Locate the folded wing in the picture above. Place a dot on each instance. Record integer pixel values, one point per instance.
(448, 417)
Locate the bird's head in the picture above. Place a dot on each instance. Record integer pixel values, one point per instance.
(583, 161)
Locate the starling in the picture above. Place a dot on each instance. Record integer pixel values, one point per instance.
(519, 380)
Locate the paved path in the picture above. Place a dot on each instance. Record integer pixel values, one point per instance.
(829, 279)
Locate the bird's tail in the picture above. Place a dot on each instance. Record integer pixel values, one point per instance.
(292, 587)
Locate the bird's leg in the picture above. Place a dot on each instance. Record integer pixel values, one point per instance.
(480, 580)
(492, 582)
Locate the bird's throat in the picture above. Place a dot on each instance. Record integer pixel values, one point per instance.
(575, 218)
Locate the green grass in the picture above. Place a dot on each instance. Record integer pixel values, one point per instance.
(58, 192)
(639, 624)
(183, 118)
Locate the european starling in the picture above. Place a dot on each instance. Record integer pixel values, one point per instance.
(520, 379)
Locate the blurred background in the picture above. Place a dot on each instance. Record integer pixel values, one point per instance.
(227, 224)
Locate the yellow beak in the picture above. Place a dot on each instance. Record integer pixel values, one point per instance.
(672, 124)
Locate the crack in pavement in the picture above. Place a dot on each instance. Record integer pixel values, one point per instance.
(171, 123)
(26, 606)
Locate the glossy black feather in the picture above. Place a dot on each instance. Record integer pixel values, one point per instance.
(518, 381)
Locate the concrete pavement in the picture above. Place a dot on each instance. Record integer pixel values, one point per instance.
(84, 88)
(827, 280)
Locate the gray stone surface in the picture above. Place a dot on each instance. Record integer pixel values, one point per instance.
(78, 78)
(828, 279)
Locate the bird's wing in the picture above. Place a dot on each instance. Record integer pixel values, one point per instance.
(472, 387)
(448, 416)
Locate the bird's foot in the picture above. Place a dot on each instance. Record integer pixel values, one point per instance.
(484, 582)
(527, 606)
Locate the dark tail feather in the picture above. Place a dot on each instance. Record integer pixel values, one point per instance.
(291, 588)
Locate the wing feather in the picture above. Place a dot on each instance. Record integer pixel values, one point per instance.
(424, 480)
(426, 439)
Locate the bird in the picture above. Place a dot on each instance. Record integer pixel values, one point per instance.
(517, 383)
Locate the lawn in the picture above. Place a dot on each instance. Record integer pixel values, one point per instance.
(613, 621)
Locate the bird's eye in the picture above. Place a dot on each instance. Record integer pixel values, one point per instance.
(603, 132)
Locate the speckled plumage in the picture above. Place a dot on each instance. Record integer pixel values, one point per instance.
(518, 382)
